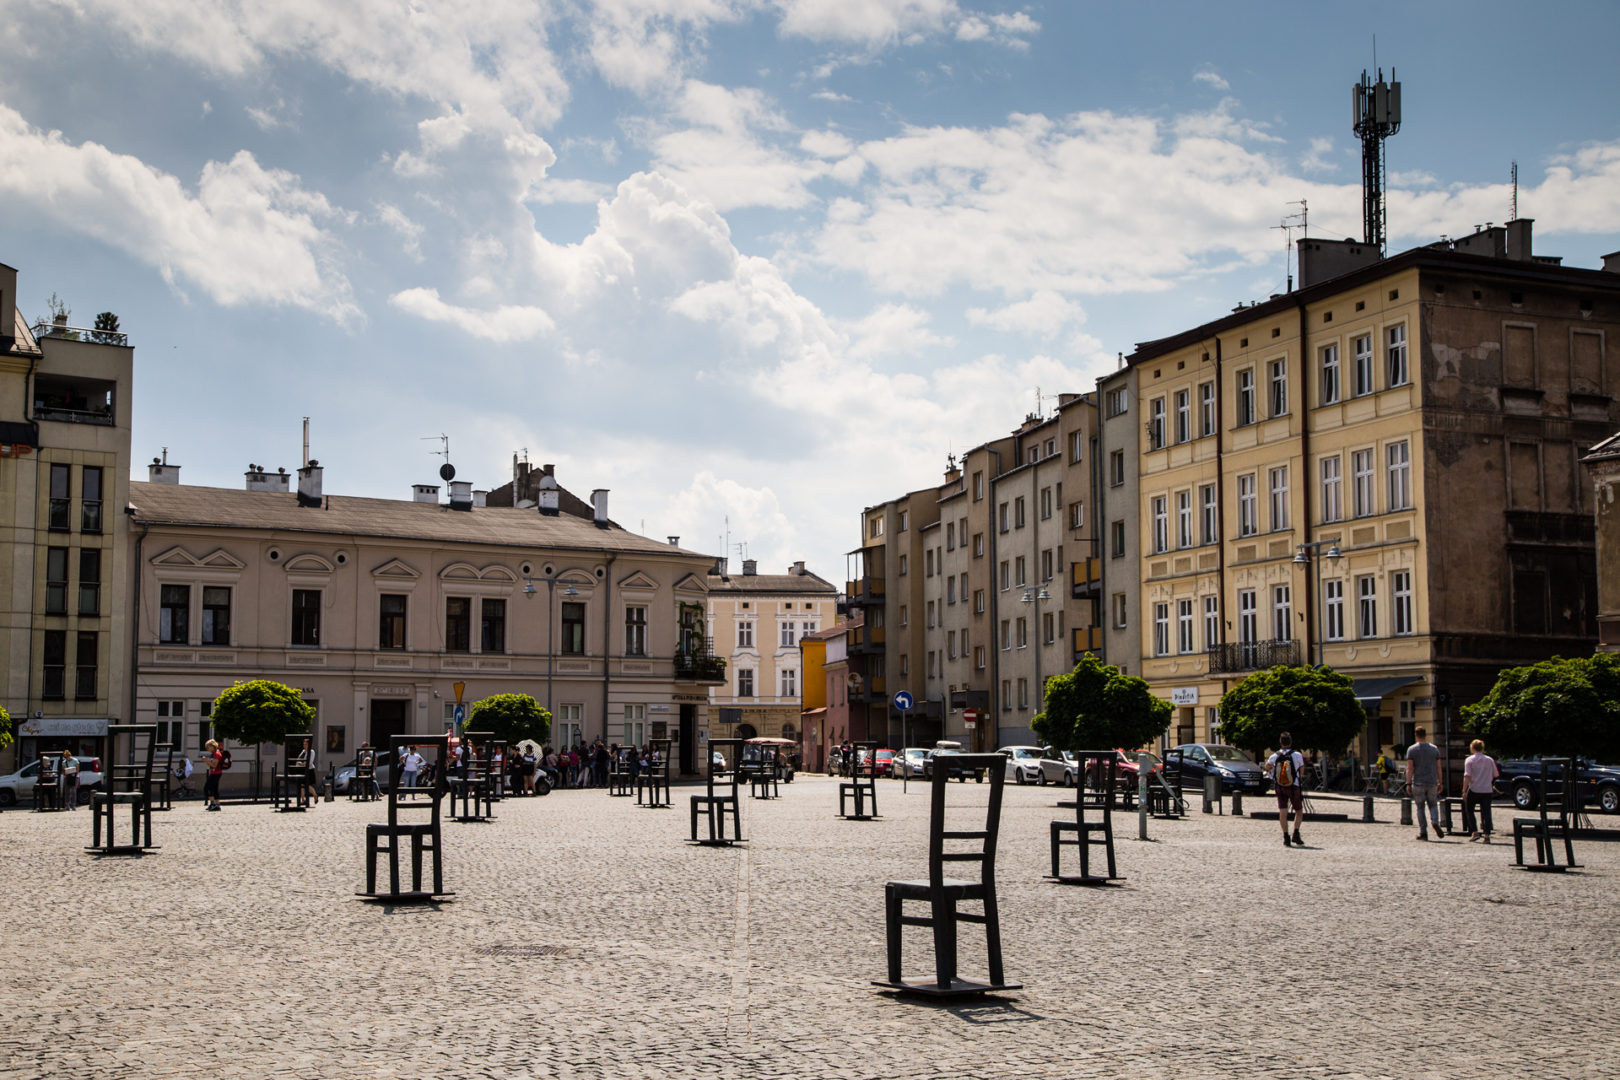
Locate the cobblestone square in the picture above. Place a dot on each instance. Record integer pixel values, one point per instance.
(587, 939)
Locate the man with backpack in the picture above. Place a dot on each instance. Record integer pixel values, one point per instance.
(1284, 768)
(218, 761)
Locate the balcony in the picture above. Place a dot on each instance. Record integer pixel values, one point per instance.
(698, 664)
(863, 591)
(44, 329)
(866, 640)
(1085, 578)
(1088, 639)
(72, 400)
(1252, 655)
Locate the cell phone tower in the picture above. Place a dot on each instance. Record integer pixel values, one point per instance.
(1376, 115)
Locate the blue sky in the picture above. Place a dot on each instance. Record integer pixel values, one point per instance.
(765, 260)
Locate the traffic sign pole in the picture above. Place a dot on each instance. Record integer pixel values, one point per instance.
(904, 702)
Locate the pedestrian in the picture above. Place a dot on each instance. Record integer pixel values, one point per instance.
(410, 766)
(1479, 785)
(1284, 768)
(70, 780)
(1423, 781)
(601, 764)
(305, 764)
(216, 769)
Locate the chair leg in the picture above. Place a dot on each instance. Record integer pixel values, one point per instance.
(393, 863)
(891, 920)
(992, 937)
(416, 862)
(944, 922)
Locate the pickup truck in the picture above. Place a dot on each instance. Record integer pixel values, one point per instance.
(1598, 784)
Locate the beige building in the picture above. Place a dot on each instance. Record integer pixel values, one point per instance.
(65, 408)
(377, 609)
(756, 622)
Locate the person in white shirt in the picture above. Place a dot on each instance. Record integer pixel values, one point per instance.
(411, 766)
(1479, 785)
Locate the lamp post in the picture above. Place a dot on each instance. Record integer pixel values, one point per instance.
(551, 622)
(1036, 597)
(1309, 553)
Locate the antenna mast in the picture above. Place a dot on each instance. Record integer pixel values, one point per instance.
(1290, 222)
(1375, 115)
(1513, 209)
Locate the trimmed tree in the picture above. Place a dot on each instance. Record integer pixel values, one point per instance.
(5, 728)
(1317, 706)
(261, 711)
(511, 718)
(1559, 706)
(1097, 707)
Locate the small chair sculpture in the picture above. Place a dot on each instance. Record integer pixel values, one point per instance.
(1104, 765)
(470, 779)
(289, 793)
(943, 894)
(765, 774)
(652, 783)
(1557, 798)
(48, 783)
(424, 836)
(128, 784)
(363, 785)
(161, 794)
(861, 789)
(621, 777)
(721, 800)
(498, 761)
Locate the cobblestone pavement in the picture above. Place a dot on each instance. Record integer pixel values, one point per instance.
(587, 940)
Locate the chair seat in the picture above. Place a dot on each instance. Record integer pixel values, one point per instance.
(413, 829)
(949, 888)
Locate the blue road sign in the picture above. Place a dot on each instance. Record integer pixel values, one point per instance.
(904, 701)
(460, 715)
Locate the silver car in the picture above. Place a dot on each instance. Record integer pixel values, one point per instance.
(20, 784)
(1023, 764)
(909, 762)
(1059, 767)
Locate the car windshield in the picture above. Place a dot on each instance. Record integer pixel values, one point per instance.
(1228, 753)
(1026, 752)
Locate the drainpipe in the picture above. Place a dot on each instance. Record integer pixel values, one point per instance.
(607, 639)
(1220, 509)
(995, 606)
(1305, 479)
(135, 623)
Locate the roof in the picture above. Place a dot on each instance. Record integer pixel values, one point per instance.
(344, 515)
(771, 583)
(1371, 691)
(1607, 450)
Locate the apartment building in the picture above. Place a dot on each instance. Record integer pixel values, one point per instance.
(1603, 464)
(1377, 472)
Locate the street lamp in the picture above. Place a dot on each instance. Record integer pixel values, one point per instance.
(1036, 598)
(551, 622)
(1309, 553)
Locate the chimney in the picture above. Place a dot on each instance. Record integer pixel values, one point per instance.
(261, 479)
(674, 541)
(720, 567)
(161, 472)
(797, 568)
(425, 493)
(461, 495)
(599, 502)
(480, 498)
(519, 468)
(8, 301)
(547, 492)
(1518, 239)
(309, 484)
(1611, 262)
(750, 567)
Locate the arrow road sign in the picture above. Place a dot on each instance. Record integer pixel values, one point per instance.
(904, 701)
(461, 716)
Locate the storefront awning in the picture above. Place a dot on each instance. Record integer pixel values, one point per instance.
(1372, 691)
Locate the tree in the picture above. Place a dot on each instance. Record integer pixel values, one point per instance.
(1559, 706)
(261, 711)
(106, 331)
(1317, 706)
(58, 316)
(5, 728)
(511, 718)
(1098, 707)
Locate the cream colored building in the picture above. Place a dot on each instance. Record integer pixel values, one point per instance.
(756, 622)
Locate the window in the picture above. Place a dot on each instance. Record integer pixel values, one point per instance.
(745, 682)
(56, 581)
(174, 614)
(1394, 356)
(1155, 425)
(55, 688)
(1333, 592)
(90, 499)
(903, 564)
(950, 639)
(84, 685)
(905, 519)
(1006, 695)
(1361, 470)
(216, 615)
(635, 725)
(1206, 409)
(877, 527)
(978, 545)
(790, 683)
(391, 609)
(306, 617)
(1006, 634)
(573, 629)
(1211, 516)
(1184, 626)
(1183, 416)
(1363, 366)
(1366, 606)
(492, 626)
(950, 536)
(1116, 468)
(978, 486)
(1212, 622)
(1279, 387)
(745, 631)
(928, 563)
(1400, 598)
(1245, 398)
(1330, 374)
(1046, 565)
(1184, 519)
(812, 626)
(1077, 515)
(1398, 458)
(1248, 506)
(905, 666)
(932, 621)
(963, 590)
(1023, 632)
(1119, 608)
(1282, 613)
(1048, 628)
(1332, 489)
(1161, 524)
(171, 725)
(978, 657)
(1115, 402)
(458, 624)
(1021, 565)
(1118, 530)
(1077, 444)
(788, 640)
(1161, 629)
(1046, 504)
(950, 590)
(1023, 693)
(61, 496)
(1279, 498)
(1003, 520)
(978, 601)
(1248, 618)
(1018, 512)
(905, 616)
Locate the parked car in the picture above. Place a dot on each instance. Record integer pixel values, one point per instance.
(884, 766)
(909, 762)
(1023, 764)
(939, 757)
(19, 785)
(1595, 783)
(1237, 770)
(1125, 769)
(345, 773)
(1059, 767)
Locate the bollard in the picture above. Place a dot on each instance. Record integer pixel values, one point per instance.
(1406, 810)
(1367, 809)
(1237, 804)
(1212, 793)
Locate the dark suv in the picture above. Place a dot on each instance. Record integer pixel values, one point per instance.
(1598, 784)
(1237, 770)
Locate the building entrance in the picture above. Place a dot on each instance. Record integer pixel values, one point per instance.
(387, 719)
(688, 731)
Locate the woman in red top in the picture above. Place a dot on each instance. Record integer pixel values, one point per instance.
(216, 769)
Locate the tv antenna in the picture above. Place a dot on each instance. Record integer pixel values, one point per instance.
(1290, 222)
(1513, 207)
(1375, 109)
(447, 471)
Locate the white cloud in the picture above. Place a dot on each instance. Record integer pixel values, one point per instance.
(1211, 78)
(827, 144)
(733, 154)
(830, 95)
(506, 323)
(246, 235)
(410, 233)
(1008, 29)
(1044, 314)
(1319, 158)
(269, 119)
(893, 330)
(865, 22)
(1578, 193)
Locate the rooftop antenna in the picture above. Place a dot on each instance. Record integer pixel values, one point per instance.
(1039, 400)
(305, 459)
(1290, 222)
(1513, 207)
(447, 471)
(1375, 109)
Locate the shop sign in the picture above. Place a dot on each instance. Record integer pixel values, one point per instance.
(56, 727)
(1184, 695)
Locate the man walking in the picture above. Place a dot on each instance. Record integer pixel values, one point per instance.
(1423, 781)
(1284, 768)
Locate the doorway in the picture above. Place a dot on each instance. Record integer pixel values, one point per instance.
(688, 731)
(387, 720)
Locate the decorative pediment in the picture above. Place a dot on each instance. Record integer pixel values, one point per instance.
(691, 583)
(309, 563)
(500, 574)
(575, 576)
(638, 582)
(459, 571)
(220, 559)
(396, 570)
(176, 556)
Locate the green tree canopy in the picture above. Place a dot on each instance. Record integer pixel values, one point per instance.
(1098, 707)
(261, 711)
(106, 331)
(5, 728)
(1559, 706)
(511, 717)
(1317, 706)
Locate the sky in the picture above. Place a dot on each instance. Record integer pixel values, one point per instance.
(751, 265)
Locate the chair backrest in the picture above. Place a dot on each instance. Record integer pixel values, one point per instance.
(865, 765)
(138, 742)
(731, 750)
(437, 748)
(983, 851)
(1558, 793)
